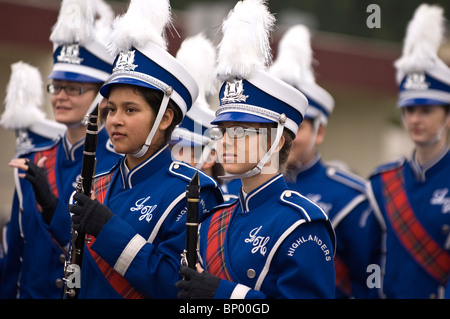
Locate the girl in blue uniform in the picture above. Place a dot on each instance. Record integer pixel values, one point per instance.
(38, 233)
(411, 196)
(272, 242)
(140, 206)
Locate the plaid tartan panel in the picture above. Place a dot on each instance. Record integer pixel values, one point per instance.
(413, 236)
(49, 166)
(215, 257)
(119, 283)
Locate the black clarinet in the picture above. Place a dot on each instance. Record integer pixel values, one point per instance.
(193, 197)
(84, 185)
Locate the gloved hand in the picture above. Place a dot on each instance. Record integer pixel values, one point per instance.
(89, 216)
(196, 285)
(37, 176)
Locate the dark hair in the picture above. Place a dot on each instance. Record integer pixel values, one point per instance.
(446, 108)
(284, 151)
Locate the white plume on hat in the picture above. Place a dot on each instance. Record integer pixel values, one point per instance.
(75, 22)
(295, 57)
(245, 44)
(144, 22)
(425, 34)
(294, 65)
(198, 55)
(24, 97)
(103, 24)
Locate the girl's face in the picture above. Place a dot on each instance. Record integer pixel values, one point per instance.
(129, 119)
(71, 109)
(425, 123)
(239, 155)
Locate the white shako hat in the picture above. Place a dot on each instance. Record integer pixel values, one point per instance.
(249, 93)
(79, 51)
(142, 59)
(422, 77)
(294, 66)
(198, 55)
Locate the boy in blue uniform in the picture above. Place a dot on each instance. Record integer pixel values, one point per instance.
(140, 205)
(411, 195)
(39, 230)
(341, 194)
(190, 141)
(272, 242)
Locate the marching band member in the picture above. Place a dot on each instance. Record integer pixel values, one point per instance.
(38, 233)
(272, 242)
(140, 205)
(190, 142)
(411, 196)
(342, 195)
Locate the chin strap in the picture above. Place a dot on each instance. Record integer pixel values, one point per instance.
(162, 109)
(258, 168)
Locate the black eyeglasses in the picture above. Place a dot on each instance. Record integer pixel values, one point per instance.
(235, 132)
(71, 90)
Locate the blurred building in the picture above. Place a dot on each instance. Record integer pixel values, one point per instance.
(363, 131)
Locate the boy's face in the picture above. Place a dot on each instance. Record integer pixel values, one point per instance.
(305, 144)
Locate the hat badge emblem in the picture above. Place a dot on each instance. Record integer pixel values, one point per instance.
(416, 81)
(234, 92)
(125, 62)
(70, 53)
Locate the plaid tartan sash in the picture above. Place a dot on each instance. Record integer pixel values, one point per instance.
(413, 236)
(49, 165)
(119, 283)
(342, 280)
(215, 258)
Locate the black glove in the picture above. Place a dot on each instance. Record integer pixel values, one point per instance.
(89, 216)
(196, 285)
(42, 190)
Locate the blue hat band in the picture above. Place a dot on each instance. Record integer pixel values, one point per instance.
(423, 89)
(260, 104)
(73, 62)
(143, 71)
(251, 114)
(314, 104)
(194, 126)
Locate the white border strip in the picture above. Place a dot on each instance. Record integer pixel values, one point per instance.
(274, 249)
(127, 256)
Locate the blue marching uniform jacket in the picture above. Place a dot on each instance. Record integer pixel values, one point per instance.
(343, 197)
(33, 266)
(427, 193)
(139, 248)
(277, 244)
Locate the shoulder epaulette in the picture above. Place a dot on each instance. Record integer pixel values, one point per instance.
(108, 171)
(186, 172)
(388, 167)
(308, 209)
(347, 178)
(44, 146)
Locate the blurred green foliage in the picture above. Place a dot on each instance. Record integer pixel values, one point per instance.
(344, 16)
